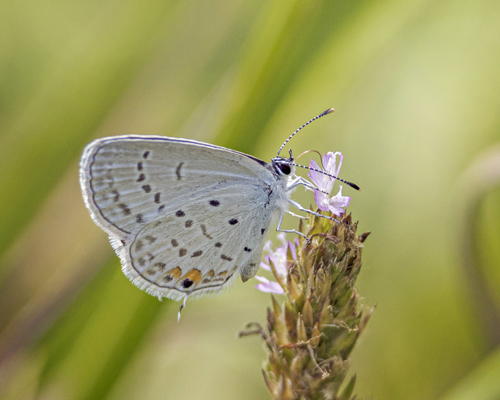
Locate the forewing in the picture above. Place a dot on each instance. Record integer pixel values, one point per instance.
(130, 181)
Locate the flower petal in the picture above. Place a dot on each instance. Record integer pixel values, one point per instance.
(268, 246)
(338, 202)
(316, 177)
(330, 163)
(293, 252)
(322, 200)
(282, 237)
(263, 265)
(268, 286)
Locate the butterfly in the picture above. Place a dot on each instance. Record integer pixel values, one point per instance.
(186, 217)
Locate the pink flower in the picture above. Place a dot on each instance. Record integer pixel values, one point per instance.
(277, 262)
(268, 286)
(324, 183)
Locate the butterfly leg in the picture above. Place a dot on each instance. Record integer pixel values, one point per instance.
(310, 211)
(180, 309)
(301, 181)
(295, 215)
(278, 228)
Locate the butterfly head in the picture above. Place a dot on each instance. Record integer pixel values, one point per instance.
(284, 166)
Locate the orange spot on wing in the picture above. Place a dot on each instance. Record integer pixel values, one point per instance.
(223, 273)
(175, 272)
(194, 275)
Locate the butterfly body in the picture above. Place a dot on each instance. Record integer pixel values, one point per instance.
(185, 217)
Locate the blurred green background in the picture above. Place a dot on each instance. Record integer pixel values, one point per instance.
(416, 90)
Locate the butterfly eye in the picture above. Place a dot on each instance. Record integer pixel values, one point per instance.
(285, 168)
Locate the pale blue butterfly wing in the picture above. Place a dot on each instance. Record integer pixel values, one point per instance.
(184, 217)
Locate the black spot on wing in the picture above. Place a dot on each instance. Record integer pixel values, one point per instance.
(187, 283)
(139, 245)
(178, 171)
(150, 239)
(125, 209)
(204, 231)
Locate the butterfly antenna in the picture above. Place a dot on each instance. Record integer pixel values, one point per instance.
(329, 111)
(353, 185)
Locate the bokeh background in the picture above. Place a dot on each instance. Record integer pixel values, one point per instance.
(415, 85)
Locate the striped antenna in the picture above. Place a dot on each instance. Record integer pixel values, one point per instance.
(329, 111)
(353, 185)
